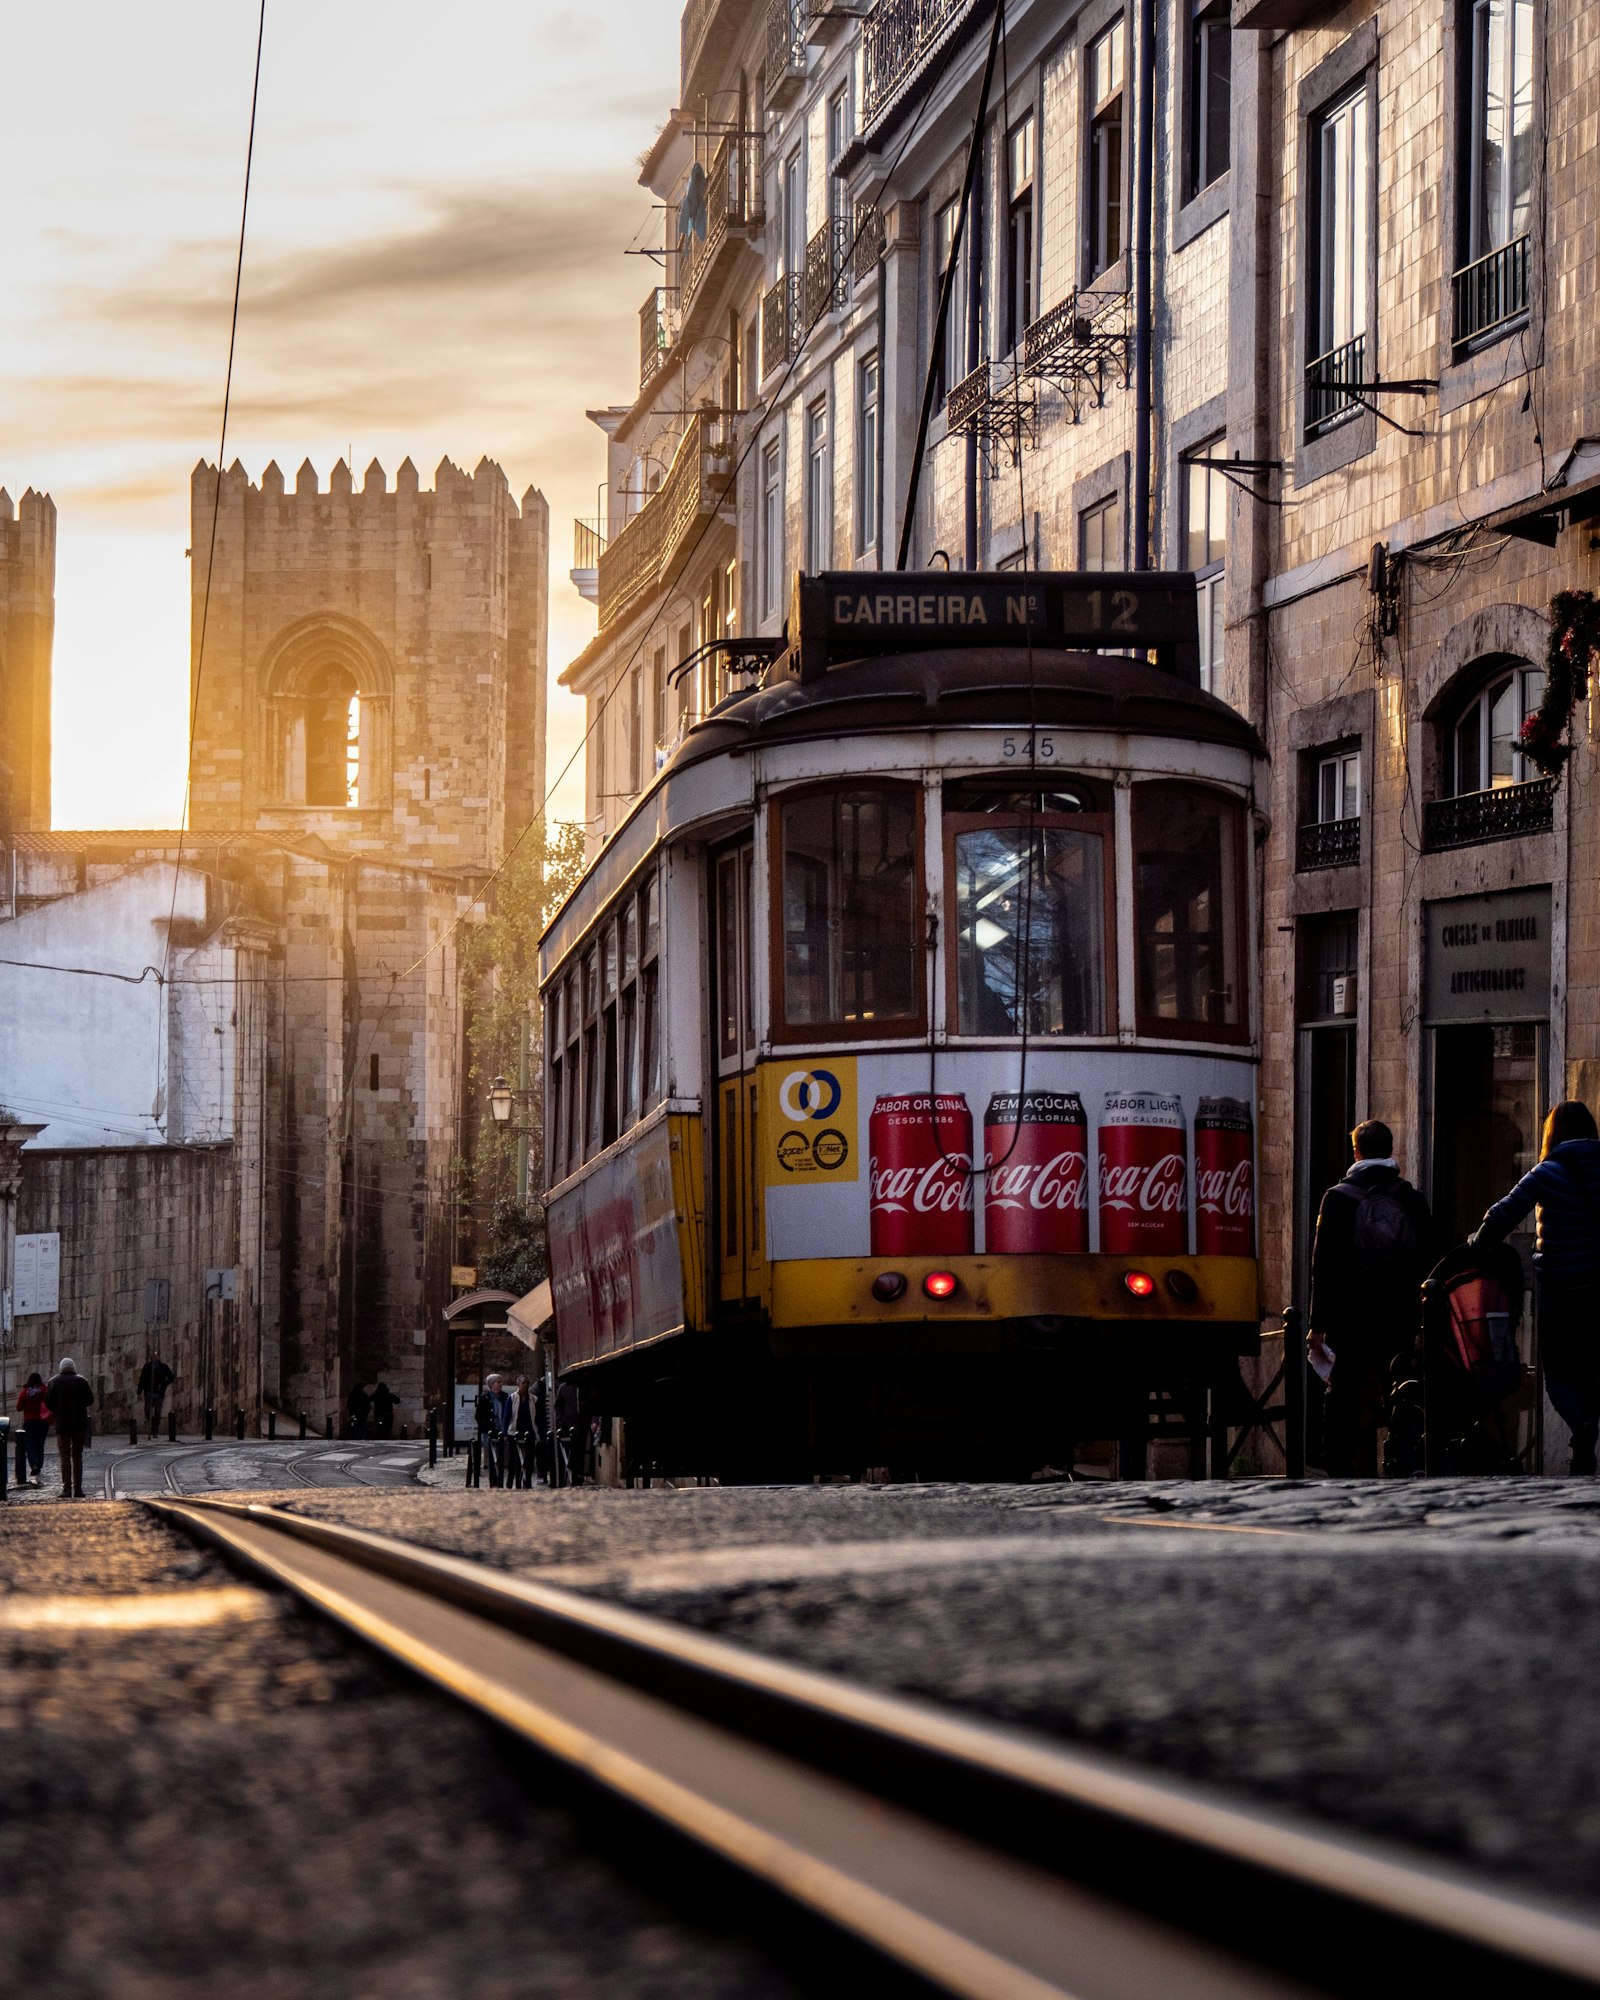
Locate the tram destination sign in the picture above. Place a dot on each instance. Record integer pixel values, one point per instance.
(1489, 957)
(850, 614)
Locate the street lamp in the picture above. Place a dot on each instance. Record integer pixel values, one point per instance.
(502, 1101)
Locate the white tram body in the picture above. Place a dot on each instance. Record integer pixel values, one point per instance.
(901, 1045)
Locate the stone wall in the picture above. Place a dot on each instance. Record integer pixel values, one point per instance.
(27, 631)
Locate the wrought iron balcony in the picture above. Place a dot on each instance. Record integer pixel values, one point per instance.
(786, 42)
(869, 241)
(827, 255)
(897, 40)
(1328, 843)
(1328, 381)
(1491, 292)
(650, 551)
(1504, 814)
(733, 205)
(588, 541)
(1079, 343)
(783, 323)
(655, 331)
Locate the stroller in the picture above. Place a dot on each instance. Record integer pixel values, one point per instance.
(1449, 1392)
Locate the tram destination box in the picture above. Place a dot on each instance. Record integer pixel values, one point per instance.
(843, 615)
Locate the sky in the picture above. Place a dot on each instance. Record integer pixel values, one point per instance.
(439, 207)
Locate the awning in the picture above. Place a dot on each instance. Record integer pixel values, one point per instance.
(483, 1302)
(530, 1315)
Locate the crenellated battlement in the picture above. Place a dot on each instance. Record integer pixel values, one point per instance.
(453, 490)
(27, 639)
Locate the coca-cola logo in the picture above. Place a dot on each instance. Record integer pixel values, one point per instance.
(1226, 1190)
(1156, 1189)
(942, 1187)
(1061, 1183)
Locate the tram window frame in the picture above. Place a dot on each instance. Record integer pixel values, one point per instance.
(651, 1089)
(1100, 821)
(1235, 949)
(591, 1032)
(555, 1102)
(888, 1027)
(628, 1015)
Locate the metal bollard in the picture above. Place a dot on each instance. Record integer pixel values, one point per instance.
(211, 1422)
(1294, 1393)
(433, 1436)
(272, 1423)
(302, 1423)
(133, 1430)
(238, 1423)
(172, 1427)
(475, 1462)
(328, 1428)
(22, 1456)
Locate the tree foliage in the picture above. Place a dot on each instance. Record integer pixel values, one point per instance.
(499, 968)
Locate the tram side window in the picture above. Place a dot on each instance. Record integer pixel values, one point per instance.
(572, 1075)
(650, 993)
(606, 1094)
(591, 1052)
(1189, 871)
(628, 1050)
(554, 1049)
(847, 862)
(1029, 909)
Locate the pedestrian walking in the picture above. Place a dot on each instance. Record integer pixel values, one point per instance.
(522, 1435)
(383, 1406)
(155, 1379)
(69, 1397)
(1565, 1188)
(1374, 1245)
(34, 1405)
(491, 1412)
(358, 1407)
(568, 1445)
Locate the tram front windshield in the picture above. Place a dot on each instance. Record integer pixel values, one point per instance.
(1030, 930)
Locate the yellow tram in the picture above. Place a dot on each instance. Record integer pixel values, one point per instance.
(901, 1044)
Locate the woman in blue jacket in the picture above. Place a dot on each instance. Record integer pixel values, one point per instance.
(1566, 1187)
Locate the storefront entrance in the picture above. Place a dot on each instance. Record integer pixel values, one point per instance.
(1488, 1105)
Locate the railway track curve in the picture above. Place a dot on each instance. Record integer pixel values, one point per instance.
(991, 1863)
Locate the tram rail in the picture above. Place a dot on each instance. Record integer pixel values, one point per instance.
(988, 1862)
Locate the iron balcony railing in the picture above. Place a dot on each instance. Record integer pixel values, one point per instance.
(896, 39)
(588, 541)
(827, 259)
(869, 241)
(734, 202)
(1328, 843)
(1503, 814)
(782, 321)
(1329, 380)
(649, 551)
(655, 331)
(1491, 291)
(967, 399)
(786, 40)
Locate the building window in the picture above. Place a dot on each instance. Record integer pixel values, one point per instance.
(867, 454)
(794, 215)
(1331, 837)
(1340, 253)
(1189, 906)
(840, 125)
(1339, 786)
(1103, 69)
(772, 529)
(658, 705)
(333, 740)
(636, 716)
(1210, 94)
(1482, 752)
(1205, 534)
(848, 951)
(819, 498)
(686, 675)
(1100, 535)
(951, 350)
(1020, 170)
(597, 729)
(1491, 288)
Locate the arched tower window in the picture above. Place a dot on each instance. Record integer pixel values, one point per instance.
(328, 693)
(332, 726)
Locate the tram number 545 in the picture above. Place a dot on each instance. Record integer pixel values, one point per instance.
(1031, 749)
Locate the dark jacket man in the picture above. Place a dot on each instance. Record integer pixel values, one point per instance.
(1374, 1246)
(69, 1397)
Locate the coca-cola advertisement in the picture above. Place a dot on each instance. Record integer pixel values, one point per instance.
(1224, 1178)
(920, 1175)
(1144, 1179)
(1036, 1173)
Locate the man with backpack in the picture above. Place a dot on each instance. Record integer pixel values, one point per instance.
(1373, 1248)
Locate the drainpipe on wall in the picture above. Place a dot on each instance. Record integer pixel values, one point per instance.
(1143, 276)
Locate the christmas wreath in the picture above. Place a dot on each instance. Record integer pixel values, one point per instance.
(1574, 642)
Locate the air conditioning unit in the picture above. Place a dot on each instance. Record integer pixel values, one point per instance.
(1344, 993)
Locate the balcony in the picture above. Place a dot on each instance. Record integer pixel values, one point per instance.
(897, 40)
(655, 332)
(869, 242)
(783, 323)
(1491, 293)
(651, 551)
(1079, 344)
(1506, 813)
(733, 206)
(827, 260)
(787, 21)
(1328, 381)
(588, 544)
(1328, 843)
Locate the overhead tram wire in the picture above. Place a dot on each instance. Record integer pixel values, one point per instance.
(216, 491)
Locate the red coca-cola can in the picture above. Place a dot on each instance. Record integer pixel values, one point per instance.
(1036, 1173)
(920, 1175)
(1144, 1180)
(1224, 1178)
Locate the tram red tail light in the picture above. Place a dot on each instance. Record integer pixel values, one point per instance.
(939, 1284)
(1140, 1283)
(888, 1286)
(1182, 1287)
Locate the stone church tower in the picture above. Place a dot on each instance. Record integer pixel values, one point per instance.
(27, 634)
(369, 725)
